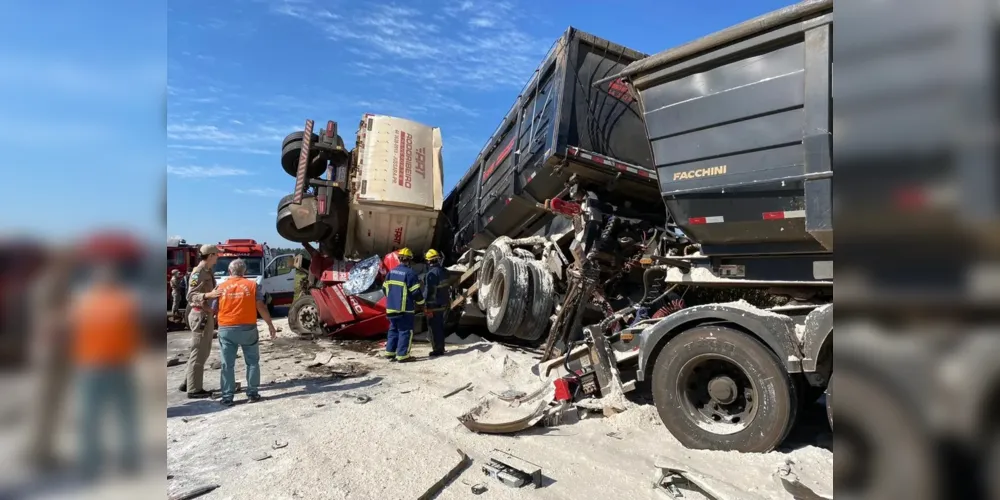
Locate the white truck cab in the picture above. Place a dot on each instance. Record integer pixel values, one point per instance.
(273, 273)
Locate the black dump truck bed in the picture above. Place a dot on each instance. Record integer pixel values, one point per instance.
(740, 128)
(560, 125)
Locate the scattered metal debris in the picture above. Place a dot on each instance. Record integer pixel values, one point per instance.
(277, 445)
(362, 399)
(614, 435)
(174, 361)
(261, 456)
(479, 489)
(495, 416)
(188, 420)
(442, 483)
(512, 471)
(564, 413)
(457, 390)
(195, 492)
(675, 479)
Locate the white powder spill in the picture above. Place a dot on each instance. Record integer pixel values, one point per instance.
(405, 437)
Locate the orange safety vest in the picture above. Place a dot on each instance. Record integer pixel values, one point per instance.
(238, 302)
(105, 327)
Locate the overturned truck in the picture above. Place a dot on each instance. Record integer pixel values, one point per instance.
(358, 206)
(626, 204)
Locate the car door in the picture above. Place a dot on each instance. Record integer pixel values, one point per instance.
(279, 279)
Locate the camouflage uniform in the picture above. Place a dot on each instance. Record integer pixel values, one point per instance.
(176, 292)
(201, 321)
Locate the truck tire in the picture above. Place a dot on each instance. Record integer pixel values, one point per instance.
(290, 160)
(497, 251)
(303, 317)
(507, 304)
(297, 136)
(718, 388)
(287, 229)
(542, 300)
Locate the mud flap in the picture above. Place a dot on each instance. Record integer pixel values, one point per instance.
(498, 416)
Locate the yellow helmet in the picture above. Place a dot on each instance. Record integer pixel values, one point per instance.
(431, 254)
(405, 252)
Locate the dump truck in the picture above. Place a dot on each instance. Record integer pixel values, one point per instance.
(360, 206)
(620, 183)
(618, 194)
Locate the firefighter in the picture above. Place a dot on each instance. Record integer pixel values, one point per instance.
(176, 291)
(201, 320)
(438, 297)
(402, 292)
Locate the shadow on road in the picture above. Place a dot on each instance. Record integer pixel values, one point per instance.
(303, 386)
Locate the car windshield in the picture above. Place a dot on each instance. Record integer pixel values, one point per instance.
(255, 266)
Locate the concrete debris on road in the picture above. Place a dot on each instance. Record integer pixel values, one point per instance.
(260, 456)
(362, 399)
(188, 420)
(347, 369)
(215, 365)
(174, 361)
(512, 395)
(790, 482)
(194, 492)
(322, 358)
(277, 444)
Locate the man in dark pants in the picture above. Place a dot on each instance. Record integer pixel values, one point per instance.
(402, 293)
(438, 298)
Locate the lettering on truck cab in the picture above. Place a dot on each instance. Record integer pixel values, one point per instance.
(403, 162)
(699, 173)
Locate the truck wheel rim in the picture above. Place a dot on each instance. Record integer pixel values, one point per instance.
(716, 394)
(309, 317)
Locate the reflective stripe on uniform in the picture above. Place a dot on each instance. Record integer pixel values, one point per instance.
(402, 301)
(408, 345)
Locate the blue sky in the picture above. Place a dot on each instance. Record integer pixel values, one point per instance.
(244, 73)
(81, 117)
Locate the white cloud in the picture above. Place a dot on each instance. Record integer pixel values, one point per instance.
(199, 147)
(463, 51)
(269, 192)
(191, 171)
(201, 134)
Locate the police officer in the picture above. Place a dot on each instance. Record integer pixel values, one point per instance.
(176, 291)
(438, 298)
(402, 292)
(201, 320)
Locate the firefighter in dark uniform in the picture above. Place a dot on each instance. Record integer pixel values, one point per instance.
(402, 294)
(438, 298)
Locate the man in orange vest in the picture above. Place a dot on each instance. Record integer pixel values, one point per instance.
(240, 300)
(105, 324)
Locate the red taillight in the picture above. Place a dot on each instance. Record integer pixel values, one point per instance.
(697, 220)
(773, 215)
